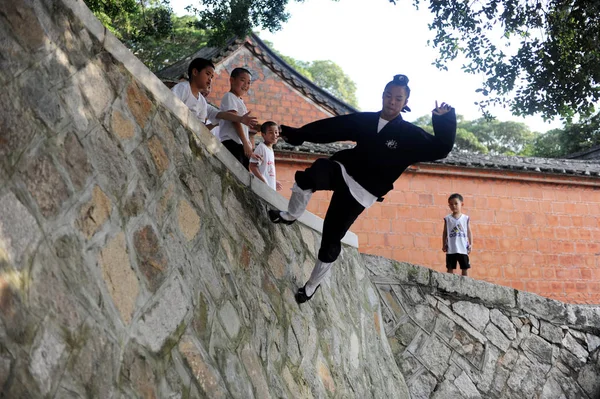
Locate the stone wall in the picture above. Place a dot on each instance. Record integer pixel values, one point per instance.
(135, 256)
(455, 337)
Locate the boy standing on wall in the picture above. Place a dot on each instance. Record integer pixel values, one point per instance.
(262, 165)
(200, 75)
(457, 239)
(235, 136)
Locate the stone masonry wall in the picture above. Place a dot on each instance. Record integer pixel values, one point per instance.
(455, 337)
(135, 256)
(532, 232)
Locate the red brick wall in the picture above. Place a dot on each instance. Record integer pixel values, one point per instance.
(539, 233)
(269, 97)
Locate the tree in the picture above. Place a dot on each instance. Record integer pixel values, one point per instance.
(488, 136)
(551, 68)
(150, 29)
(507, 138)
(331, 77)
(573, 138)
(548, 145)
(132, 20)
(538, 57)
(326, 74)
(159, 52)
(466, 141)
(229, 18)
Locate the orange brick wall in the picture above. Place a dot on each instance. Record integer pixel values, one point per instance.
(536, 233)
(269, 98)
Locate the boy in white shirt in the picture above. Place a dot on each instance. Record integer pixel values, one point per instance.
(234, 136)
(262, 164)
(201, 72)
(457, 239)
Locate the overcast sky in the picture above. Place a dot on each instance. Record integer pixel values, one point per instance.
(374, 40)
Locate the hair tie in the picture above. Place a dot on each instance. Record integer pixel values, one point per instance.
(403, 79)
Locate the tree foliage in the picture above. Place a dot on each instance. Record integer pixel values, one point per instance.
(573, 138)
(132, 20)
(538, 57)
(326, 74)
(486, 136)
(331, 77)
(508, 138)
(150, 29)
(228, 18)
(159, 52)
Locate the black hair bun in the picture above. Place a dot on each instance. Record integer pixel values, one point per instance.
(402, 79)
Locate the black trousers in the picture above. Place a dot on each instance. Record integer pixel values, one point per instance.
(343, 210)
(238, 152)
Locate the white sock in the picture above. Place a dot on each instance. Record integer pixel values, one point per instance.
(297, 204)
(319, 272)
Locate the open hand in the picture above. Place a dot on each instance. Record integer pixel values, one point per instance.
(248, 120)
(441, 109)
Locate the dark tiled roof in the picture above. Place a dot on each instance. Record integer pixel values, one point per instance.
(178, 70)
(478, 161)
(589, 154)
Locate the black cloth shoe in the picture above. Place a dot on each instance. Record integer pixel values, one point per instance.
(301, 296)
(275, 217)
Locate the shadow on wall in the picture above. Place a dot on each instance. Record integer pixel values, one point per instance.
(135, 256)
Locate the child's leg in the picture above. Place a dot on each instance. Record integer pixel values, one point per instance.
(463, 260)
(237, 150)
(450, 263)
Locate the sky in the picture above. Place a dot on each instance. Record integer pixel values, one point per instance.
(373, 41)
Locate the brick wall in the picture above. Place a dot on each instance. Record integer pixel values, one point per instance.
(269, 97)
(533, 232)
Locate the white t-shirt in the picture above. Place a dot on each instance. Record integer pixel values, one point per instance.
(198, 105)
(266, 167)
(226, 131)
(456, 229)
(359, 193)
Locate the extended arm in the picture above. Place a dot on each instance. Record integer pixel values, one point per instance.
(232, 116)
(245, 119)
(445, 238)
(427, 147)
(239, 130)
(337, 128)
(444, 127)
(469, 236)
(256, 172)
